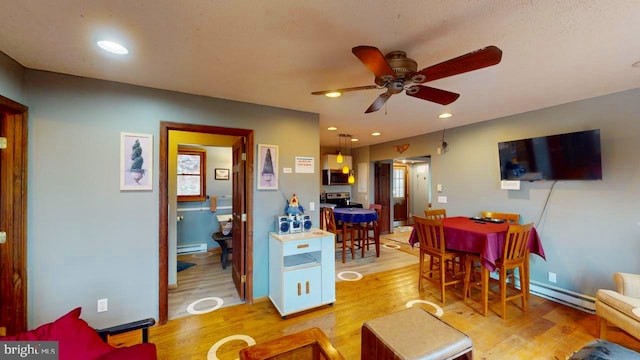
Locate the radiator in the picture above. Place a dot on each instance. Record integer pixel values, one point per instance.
(191, 248)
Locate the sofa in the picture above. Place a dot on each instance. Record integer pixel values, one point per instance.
(78, 341)
(621, 307)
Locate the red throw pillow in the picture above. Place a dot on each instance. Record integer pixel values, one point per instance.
(145, 351)
(76, 339)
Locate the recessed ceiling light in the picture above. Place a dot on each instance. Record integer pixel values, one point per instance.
(113, 47)
(332, 128)
(375, 134)
(333, 94)
(445, 115)
(354, 139)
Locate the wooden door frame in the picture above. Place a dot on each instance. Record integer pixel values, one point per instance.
(163, 288)
(13, 316)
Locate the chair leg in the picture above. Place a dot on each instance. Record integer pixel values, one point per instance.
(523, 286)
(601, 325)
(443, 275)
(344, 248)
(467, 278)
(503, 291)
(421, 271)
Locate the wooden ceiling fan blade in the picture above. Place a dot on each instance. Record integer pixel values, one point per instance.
(373, 58)
(377, 104)
(366, 87)
(475, 60)
(441, 97)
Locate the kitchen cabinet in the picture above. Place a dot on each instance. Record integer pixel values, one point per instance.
(301, 270)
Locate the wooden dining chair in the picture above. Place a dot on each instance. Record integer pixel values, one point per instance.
(432, 244)
(507, 217)
(435, 213)
(514, 256)
(368, 233)
(341, 234)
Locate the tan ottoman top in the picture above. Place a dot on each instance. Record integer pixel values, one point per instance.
(416, 334)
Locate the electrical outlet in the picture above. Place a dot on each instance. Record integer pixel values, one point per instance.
(103, 305)
(552, 277)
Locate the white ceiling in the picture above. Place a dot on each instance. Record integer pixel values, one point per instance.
(276, 52)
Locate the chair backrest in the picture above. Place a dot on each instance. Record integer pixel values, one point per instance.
(430, 234)
(507, 217)
(515, 243)
(435, 213)
(329, 220)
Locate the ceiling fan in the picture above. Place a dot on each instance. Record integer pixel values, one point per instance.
(396, 72)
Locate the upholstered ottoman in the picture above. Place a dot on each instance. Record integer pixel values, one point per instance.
(413, 334)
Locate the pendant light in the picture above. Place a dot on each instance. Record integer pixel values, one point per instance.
(352, 179)
(339, 158)
(345, 168)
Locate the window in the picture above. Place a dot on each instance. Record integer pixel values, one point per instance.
(399, 182)
(192, 174)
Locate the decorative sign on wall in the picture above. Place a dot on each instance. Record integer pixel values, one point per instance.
(400, 148)
(305, 164)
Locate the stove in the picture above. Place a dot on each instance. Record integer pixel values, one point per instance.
(340, 200)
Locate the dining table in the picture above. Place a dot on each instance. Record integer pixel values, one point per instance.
(354, 216)
(478, 236)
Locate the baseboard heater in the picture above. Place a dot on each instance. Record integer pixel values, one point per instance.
(569, 298)
(191, 248)
(566, 297)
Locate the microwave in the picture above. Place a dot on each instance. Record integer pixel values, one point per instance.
(334, 177)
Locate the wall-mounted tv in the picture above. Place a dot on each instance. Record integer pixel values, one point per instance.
(572, 156)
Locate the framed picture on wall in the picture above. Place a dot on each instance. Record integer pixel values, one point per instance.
(267, 167)
(222, 174)
(136, 161)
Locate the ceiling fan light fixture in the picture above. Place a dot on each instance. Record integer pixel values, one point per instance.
(112, 47)
(445, 115)
(333, 94)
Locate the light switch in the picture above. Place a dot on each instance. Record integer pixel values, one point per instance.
(442, 199)
(312, 206)
(439, 188)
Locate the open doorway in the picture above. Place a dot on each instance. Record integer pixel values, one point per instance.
(241, 176)
(416, 174)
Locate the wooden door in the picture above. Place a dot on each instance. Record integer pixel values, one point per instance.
(239, 211)
(13, 218)
(382, 190)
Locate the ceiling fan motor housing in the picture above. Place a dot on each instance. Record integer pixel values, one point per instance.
(401, 65)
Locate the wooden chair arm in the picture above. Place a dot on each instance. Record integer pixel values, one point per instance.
(312, 341)
(132, 326)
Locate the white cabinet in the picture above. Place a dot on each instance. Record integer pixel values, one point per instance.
(301, 270)
(329, 162)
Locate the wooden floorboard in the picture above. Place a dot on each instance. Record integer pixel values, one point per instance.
(547, 330)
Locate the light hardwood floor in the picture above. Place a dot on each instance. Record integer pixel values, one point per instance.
(546, 331)
(204, 280)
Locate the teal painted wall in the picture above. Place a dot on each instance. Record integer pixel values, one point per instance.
(590, 229)
(87, 239)
(11, 79)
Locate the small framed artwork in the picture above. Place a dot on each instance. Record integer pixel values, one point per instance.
(136, 161)
(267, 167)
(222, 174)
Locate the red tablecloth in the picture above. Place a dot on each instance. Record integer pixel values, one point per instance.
(485, 238)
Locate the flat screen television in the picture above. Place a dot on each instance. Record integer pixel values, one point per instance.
(571, 156)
